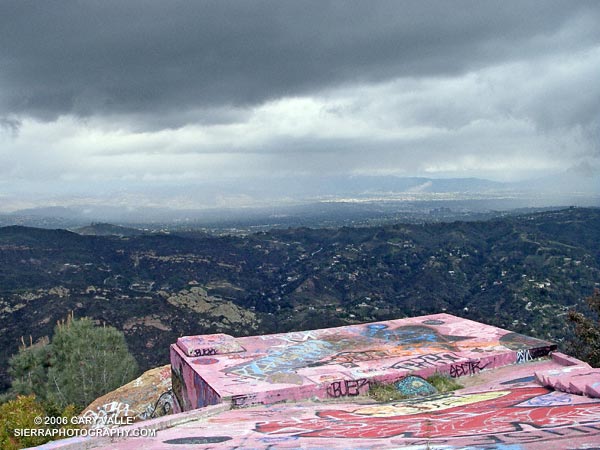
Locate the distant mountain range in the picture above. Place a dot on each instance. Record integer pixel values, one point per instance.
(307, 201)
(107, 229)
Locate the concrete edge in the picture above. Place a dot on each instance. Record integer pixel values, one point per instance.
(567, 360)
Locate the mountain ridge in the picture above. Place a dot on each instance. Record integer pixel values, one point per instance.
(520, 272)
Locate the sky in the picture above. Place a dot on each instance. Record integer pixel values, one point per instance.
(117, 98)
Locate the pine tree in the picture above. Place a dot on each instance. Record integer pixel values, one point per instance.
(29, 368)
(87, 362)
(81, 363)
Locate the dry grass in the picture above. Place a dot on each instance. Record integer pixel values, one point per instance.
(385, 392)
(443, 383)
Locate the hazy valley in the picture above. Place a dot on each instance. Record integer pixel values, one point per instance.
(516, 271)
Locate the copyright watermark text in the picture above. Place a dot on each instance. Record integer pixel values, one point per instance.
(83, 432)
(97, 422)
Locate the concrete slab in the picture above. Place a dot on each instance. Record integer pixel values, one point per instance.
(500, 407)
(503, 409)
(576, 379)
(593, 390)
(338, 362)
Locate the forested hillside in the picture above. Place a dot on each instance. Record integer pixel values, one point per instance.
(521, 273)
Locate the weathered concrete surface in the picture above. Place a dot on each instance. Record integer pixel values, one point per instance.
(575, 378)
(158, 424)
(146, 397)
(338, 362)
(503, 408)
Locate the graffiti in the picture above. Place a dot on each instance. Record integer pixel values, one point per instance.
(328, 378)
(514, 440)
(349, 359)
(435, 403)
(466, 368)
(308, 362)
(433, 322)
(297, 336)
(516, 341)
(524, 436)
(523, 356)
(287, 360)
(278, 440)
(106, 414)
(204, 352)
(179, 389)
(551, 399)
(194, 393)
(205, 361)
(412, 386)
(205, 395)
(239, 401)
(374, 329)
(518, 380)
(347, 388)
(162, 407)
(285, 378)
(198, 345)
(195, 440)
(411, 336)
(529, 354)
(426, 361)
(483, 415)
(339, 364)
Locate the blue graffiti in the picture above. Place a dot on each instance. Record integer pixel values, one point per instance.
(286, 361)
(546, 400)
(406, 335)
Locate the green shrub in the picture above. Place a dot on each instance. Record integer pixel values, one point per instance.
(20, 414)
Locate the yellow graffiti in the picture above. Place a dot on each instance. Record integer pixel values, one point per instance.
(481, 345)
(438, 403)
(421, 348)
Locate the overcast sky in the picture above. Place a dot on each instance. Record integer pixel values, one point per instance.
(99, 94)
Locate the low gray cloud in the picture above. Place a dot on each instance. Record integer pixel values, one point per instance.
(145, 91)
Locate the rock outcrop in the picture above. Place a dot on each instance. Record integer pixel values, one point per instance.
(146, 397)
(219, 312)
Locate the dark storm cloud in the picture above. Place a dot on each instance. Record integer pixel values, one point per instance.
(9, 124)
(162, 63)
